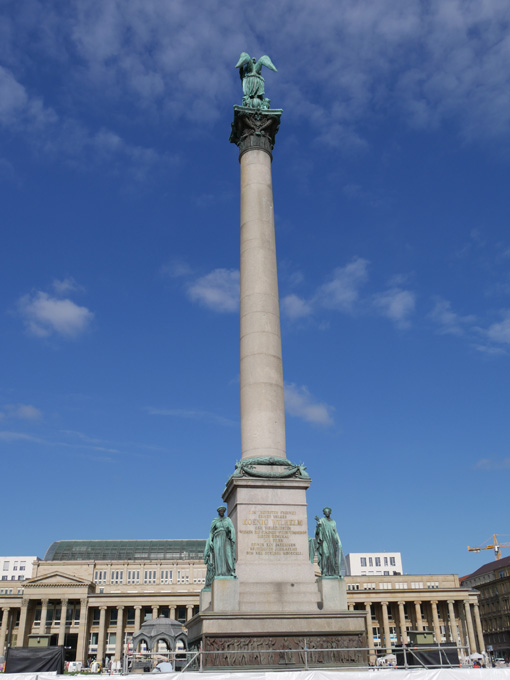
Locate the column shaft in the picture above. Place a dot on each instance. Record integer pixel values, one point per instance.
(63, 619)
(262, 399)
(386, 627)
(138, 617)
(101, 638)
(454, 633)
(20, 642)
(81, 648)
(119, 642)
(479, 631)
(189, 612)
(435, 621)
(402, 621)
(44, 614)
(370, 635)
(3, 629)
(417, 609)
(155, 609)
(471, 632)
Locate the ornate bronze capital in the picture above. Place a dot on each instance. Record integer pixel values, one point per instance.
(255, 129)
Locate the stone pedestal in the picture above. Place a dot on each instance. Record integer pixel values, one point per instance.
(287, 641)
(333, 594)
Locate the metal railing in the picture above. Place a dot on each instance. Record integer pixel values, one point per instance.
(302, 658)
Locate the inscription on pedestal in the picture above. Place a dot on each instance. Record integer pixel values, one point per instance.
(272, 533)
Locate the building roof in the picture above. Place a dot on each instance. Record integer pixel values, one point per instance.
(175, 549)
(490, 566)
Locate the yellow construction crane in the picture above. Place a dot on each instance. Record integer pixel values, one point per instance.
(495, 545)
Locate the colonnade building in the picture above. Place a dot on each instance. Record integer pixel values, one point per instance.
(92, 596)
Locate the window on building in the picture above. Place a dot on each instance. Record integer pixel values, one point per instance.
(199, 576)
(369, 586)
(392, 562)
(417, 585)
(377, 561)
(117, 576)
(385, 561)
(363, 561)
(149, 576)
(21, 577)
(133, 576)
(22, 566)
(130, 617)
(183, 576)
(370, 562)
(5, 578)
(96, 616)
(385, 585)
(401, 586)
(37, 617)
(6, 566)
(15, 566)
(114, 615)
(111, 639)
(93, 639)
(432, 584)
(100, 577)
(167, 576)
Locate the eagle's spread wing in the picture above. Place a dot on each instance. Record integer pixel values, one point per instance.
(243, 59)
(264, 61)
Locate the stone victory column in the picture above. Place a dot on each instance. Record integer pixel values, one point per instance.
(271, 599)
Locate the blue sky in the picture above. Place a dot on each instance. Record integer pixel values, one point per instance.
(119, 392)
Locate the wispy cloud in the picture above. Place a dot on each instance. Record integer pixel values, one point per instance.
(45, 315)
(176, 269)
(67, 285)
(342, 291)
(448, 321)
(300, 404)
(193, 414)
(20, 412)
(396, 304)
(218, 290)
(493, 464)
(295, 307)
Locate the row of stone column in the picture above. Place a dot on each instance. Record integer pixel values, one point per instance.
(454, 634)
(82, 645)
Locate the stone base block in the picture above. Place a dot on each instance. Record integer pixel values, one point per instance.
(225, 595)
(333, 594)
(286, 641)
(205, 599)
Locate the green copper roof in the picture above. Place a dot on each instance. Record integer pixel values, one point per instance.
(176, 549)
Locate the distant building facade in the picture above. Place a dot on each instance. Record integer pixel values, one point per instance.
(374, 564)
(92, 596)
(492, 581)
(14, 569)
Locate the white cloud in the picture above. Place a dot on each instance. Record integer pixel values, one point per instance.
(493, 464)
(500, 331)
(21, 412)
(295, 307)
(300, 403)
(67, 285)
(218, 290)
(395, 304)
(45, 315)
(342, 292)
(449, 322)
(176, 269)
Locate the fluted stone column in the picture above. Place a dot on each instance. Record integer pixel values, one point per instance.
(101, 638)
(435, 621)
(189, 612)
(479, 631)
(262, 399)
(402, 621)
(370, 634)
(172, 612)
(81, 648)
(350, 607)
(419, 621)
(63, 619)
(3, 629)
(22, 628)
(386, 626)
(470, 630)
(119, 642)
(155, 610)
(138, 616)
(454, 633)
(44, 614)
